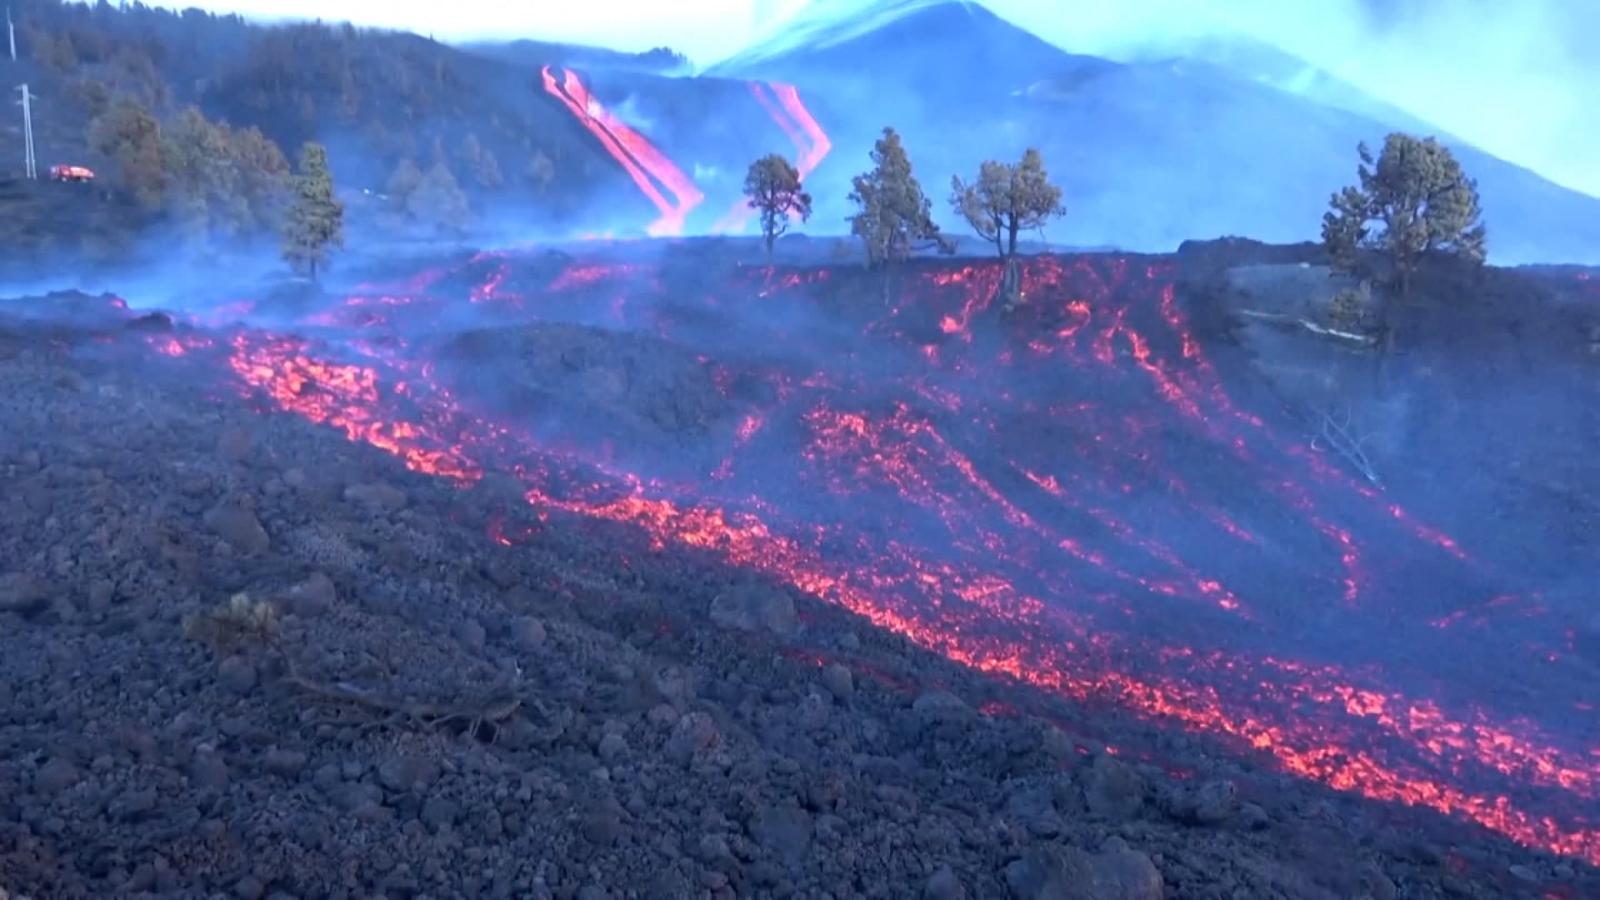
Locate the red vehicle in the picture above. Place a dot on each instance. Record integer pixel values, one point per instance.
(71, 173)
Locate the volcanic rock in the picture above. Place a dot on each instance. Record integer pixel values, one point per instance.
(439, 812)
(712, 849)
(132, 804)
(674, 685)
(377, 496)
(151, 322)
(784, 830)
(839, 681)
(208, 771)
(694, 734)
(755, 608)
(1253, 817)
(1117, 872)
(239, 527)
(1032, 805)
(312, 597)
(1114, 789)
(55, 776)
(527, 632)
(940, 706)
(1057, 745)
(611, 746)
(23, 593)
(602, 822)
(944, 885)
(406, 773)
(471, 633)
(284, 763)
(235, 445)
(1215, 802)
(237, 674)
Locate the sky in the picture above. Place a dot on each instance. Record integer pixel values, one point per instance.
(1513, 77)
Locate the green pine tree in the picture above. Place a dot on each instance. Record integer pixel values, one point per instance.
(316, 219)
(894, 217)
(772, 187)
(1413, 201)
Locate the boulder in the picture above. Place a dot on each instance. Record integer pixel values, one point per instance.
(755, 608)
(1117, 872)
(1113, 789)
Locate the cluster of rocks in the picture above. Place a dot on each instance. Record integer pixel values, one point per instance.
(674, 729)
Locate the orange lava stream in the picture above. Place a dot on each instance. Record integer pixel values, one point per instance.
(637, 156)
(811, 144)
(1312, 721)
(746, 542)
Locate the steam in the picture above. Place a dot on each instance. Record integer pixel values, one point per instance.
(1514, 79)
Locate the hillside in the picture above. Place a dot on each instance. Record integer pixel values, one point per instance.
(1150, 153)
(375, 98)
(532, 138)
(633, 569)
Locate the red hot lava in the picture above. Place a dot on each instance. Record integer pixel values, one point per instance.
(645, 164)
(783, 104)
(1039, 567)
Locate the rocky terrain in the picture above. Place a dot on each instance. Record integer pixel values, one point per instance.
(244, 657)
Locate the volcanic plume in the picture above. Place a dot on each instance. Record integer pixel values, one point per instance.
(1069, 498)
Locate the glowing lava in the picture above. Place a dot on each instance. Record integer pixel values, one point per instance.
(783, 104)
(645, 164)
(1025, 514)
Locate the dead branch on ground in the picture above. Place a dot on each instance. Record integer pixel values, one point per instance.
(1337, 433)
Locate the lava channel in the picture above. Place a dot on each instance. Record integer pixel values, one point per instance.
(645, 164)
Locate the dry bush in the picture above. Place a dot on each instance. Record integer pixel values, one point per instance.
(237, 624)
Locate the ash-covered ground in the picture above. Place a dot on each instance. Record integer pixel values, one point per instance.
(644, 573)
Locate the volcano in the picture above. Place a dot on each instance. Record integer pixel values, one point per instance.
(1149, 153)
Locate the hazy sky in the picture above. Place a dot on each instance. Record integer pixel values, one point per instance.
(1520, 78)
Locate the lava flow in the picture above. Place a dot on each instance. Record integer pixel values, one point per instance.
(783, 104)
(1066, 497)
(645, 164)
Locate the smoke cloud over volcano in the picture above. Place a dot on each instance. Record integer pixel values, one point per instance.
(1515, 79)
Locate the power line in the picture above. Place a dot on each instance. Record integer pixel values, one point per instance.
(29, 161)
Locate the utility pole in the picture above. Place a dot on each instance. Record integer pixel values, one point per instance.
(30, 163)
(11, 34)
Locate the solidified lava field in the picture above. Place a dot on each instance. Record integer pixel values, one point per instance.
(1067, 515)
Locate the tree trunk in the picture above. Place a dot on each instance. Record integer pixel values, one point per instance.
(1012, 228)
(770, 238)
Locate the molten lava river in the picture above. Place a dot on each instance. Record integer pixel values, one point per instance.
(1066, 497)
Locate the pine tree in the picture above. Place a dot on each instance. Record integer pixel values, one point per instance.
(894, 216)
(316, 219)
(772, 186)
(1007, 199)
(1413, 201)
(438, 200)
(481, 163)
(130, 136)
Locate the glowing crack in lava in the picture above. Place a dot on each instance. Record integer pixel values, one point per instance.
(645, 164)
(1053, 563)
(783, 104)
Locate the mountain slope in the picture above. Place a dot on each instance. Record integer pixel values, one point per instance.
(1150, 153)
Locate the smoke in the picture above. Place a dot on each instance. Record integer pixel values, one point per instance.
(631, 112)
(1514, 79)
